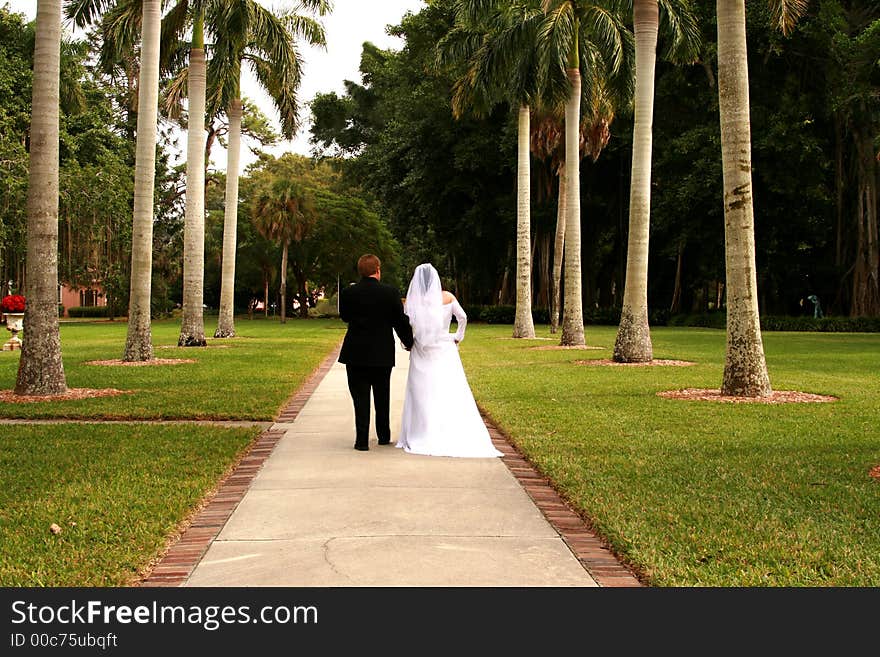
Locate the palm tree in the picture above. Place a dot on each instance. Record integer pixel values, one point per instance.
(267, 43)
(496, 44)
(283, 213)
(192, 323)
(139, 343)
(40, 368)
(745, 368)
(579, 37)
(548, 144)
(633, 343)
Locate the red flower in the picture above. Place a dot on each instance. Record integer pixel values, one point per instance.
(12, 303)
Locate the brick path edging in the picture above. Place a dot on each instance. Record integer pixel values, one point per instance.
(594, 555)
(177, 564)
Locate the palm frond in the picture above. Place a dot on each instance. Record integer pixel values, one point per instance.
(606, 26)
(679, 24)
(786, 13)
(556, 36)
(175, 94)
(85, 12)
(120, 33)
(281, 85)
(224, 83)
(319, 7)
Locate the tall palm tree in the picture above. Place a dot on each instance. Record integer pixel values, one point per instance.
(283, 213)
(577, 37)
(496, 44)
(633, 342)
(192, 323)
(745, 367)
(268, 43)
(139, 342)
(548, 144)
(40, 368)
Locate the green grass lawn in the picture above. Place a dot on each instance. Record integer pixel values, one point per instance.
(248, 377)
(119, 491)
(688, 492)
(695, 492)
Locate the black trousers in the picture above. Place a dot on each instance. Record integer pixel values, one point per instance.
(361, 380)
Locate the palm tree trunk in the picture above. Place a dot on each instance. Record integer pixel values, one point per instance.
(192, 325)
(523, 326)
(226, 321)
(675, 305)
(866, 269)
(633, 343)
(573, 314)
(745, 369)
(283, 289)
(40, 368)
(558, 250)
(139, 341)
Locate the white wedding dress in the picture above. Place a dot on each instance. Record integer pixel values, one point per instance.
(440, 416)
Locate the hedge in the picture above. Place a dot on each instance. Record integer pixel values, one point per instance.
(716, 320)
(785, 323)
(88, 311)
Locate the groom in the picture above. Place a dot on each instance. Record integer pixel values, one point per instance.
(371, 309)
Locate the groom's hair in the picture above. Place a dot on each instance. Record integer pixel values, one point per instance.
(368, 265)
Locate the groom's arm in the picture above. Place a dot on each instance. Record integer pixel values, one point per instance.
(400, 322)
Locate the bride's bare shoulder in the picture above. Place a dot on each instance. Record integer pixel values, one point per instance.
(447, 297)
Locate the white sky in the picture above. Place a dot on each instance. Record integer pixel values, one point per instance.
(351, 23)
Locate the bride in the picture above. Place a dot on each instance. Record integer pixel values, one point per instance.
(440, 417)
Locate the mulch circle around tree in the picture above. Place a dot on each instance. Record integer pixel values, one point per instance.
(657, 362)
(875, 472)
(9, 396)
(142, 363)
(207, 346)
(551, 347)
(775, 397)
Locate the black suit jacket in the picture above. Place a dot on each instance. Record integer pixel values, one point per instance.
(372, 309)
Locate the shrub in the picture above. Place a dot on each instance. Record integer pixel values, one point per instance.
(785, 323)
(88, 311)
(717, 320)
(822, 324)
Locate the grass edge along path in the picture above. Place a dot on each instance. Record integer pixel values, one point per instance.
(594, 553)
(697, 493)
(188, 545)
(88, 500)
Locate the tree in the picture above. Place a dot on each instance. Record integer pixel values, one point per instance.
(497, 45)
(745, 368)
(548, 144)
(41, 368)
(192, 323)
(284, 212)
(633, 342)
(576, 34)
(267, 43)
(139, 341)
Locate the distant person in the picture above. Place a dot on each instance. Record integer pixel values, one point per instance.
(440, 416)
(372, 310)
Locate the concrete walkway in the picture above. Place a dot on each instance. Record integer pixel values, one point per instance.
(321, 514)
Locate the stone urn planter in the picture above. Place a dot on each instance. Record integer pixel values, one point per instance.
(13, 325)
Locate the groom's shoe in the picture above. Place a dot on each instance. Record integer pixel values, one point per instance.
(387, 441)
(362, 447)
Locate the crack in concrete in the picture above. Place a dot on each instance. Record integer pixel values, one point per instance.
(325, 552)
